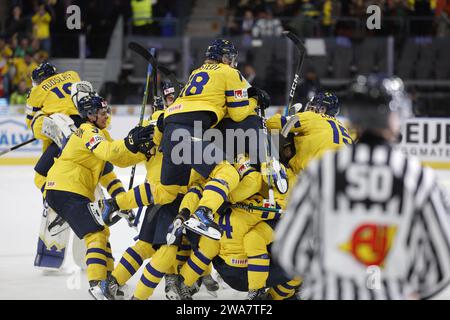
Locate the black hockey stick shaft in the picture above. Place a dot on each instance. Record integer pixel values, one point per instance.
(140, 50)
(302, 51)
(17, 146)
(268, 156)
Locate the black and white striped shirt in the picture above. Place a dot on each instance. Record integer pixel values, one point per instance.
(366, 222)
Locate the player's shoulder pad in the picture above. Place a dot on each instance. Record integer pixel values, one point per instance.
(73, 74)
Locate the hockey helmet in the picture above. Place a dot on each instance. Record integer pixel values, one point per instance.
(221, 48)
(43, 71)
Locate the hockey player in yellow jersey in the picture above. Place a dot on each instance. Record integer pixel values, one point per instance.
(50, 95)
(213, 90)
(315, 130)
(72, 179)
(242, 251)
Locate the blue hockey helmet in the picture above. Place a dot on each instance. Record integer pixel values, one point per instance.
(43, 71)
(324, 102)
(221, 48)
(90, 104)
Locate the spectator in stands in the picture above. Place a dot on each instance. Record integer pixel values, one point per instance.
(248, 22)
(142, 13)
(5, 49)
(19, 97)
(23, 68)
(330, 10)
(16, 24)
(443, 18)
(309, 87)
(41, 27)
(22, 48)
(302, 25)
(267, 26)
(249, 73)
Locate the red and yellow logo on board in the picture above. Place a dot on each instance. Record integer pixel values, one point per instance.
(370, 243)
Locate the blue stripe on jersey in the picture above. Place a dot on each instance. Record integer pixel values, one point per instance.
(229, 93)
(127, 266)
(218, 190)
(196, 191)
(112, 183)
(185, 247)
(280, 293)
(148, 283)
(96, 250)
(153, 271)
(148, 192)
(283, 121)
(257, 268)
(134, 255)
(95, 261)
(117, 191)
(137, 195)
(248, 172)
(201, 257)
(182, 258)
(29, 117)
(194, 267)
(238, 104)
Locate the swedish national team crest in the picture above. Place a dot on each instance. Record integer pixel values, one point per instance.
(370, 243)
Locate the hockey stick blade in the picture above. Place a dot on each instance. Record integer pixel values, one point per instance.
(295, 39)
(143, 52)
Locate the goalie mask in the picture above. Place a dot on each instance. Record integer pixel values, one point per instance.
(80, 90)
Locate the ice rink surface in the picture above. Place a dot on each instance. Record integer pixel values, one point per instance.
(19, 227)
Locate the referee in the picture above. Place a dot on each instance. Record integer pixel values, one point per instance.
(367, 222)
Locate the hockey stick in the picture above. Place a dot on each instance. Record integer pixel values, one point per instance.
(268, 158)
(17, 146)
(302, 51)
(144, 53)
(151, 69)
(249, 207)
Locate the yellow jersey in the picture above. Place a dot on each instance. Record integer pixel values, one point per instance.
(315, 133)
(218, 88)
(81, 163)
(52, 96)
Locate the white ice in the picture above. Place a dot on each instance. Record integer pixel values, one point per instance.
(19, 226)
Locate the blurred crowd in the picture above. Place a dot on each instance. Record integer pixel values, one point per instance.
(24, 43)
(322, 18)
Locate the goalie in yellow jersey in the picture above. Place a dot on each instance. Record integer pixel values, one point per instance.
(314, 131)
(73, 178)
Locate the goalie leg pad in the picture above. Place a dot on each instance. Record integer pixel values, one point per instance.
(53, 238)
(58, 127)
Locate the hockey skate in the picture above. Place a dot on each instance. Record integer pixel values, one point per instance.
(171, 288)
(176, 228)
(211, 285)
(102, 211)
(95, 290)
(258, 294)
(185, 291)
(204, 224)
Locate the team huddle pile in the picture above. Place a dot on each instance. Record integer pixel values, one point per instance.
(199, 214)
